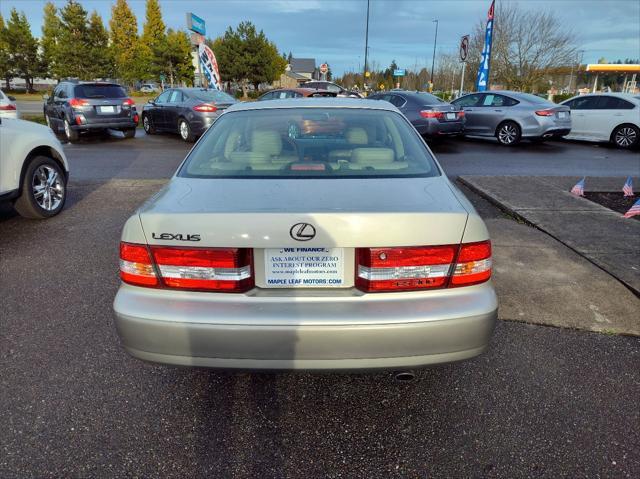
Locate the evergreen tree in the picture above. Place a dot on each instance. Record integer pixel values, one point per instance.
(154, 39)
(6, 72)
(176, 60)
(73, 54)
(125, 44)
(49, 41)
(100, 54)
(22, 48)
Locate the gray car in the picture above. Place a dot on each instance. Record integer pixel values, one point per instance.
(315, 234)
(512, 116)
(186, 111)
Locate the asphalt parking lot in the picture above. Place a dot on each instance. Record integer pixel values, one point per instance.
(543, 402)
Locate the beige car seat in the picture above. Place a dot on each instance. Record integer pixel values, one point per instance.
(355, 136)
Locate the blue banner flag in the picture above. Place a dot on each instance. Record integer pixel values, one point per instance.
(483, 72)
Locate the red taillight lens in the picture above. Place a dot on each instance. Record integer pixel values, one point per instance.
(205, 107)
(431, 114)
(78, 102)
(210, 269)
(136, 118)
(460, 114)
(128, 102)
(418, 268)
(9, 107)
(473, 265)
(545, 112)
(403, 269)
(136, 266)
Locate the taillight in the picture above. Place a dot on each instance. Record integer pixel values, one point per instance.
(211, 269)
(418, 268)
(545, 112)
(431, 114)
(136, 118)
(473, 265)
(128, 102)
(136, 266)
(461, 114)
(9, 107)
(78, 102)
(205, 107)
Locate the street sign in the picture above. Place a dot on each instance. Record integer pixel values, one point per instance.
(464, 48)
(196, 24)
(367, 74)
(399, 72)
(324, 68)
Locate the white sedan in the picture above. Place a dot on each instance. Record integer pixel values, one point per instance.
(33, 169)
(8, 108)
(606, 117)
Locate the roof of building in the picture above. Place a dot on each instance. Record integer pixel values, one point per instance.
(307, 65)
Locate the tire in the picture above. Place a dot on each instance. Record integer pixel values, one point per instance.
(508, 133)
(129, 133)
(148, 126)
(625, 136)
(185, 131)
(72, 135)
(44, 189)
(48, 122)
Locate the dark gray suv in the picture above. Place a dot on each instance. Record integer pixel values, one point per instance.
(82, 106)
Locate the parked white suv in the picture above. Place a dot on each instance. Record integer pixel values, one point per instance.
(33, 169)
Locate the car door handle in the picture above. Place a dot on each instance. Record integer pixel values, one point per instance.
(498, 110)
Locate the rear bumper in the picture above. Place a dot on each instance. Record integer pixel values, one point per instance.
(114, 125)
(265, 331)
(436, 128)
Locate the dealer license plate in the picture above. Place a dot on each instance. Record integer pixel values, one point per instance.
(106, 109)
(304, 267)
(451, 116)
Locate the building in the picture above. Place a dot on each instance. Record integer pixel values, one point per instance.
(303, 66)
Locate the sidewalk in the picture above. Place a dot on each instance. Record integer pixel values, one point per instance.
(598, 234)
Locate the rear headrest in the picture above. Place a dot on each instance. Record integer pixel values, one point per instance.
(356, 136)
(266, 141)
(232, 143)
(372, 156)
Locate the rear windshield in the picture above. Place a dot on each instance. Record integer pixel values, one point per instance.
(532, 98)
(427, 98)
(100, 91)
(212, 95)
(310, 142)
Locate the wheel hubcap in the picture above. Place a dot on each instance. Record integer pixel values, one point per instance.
(145, 123)
(67, 129)
(184, 130)
(626, 136)
(507, 134)
(48, 188)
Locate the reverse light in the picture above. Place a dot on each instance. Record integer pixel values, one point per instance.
(136, 266)
(431, 114)
(205, 108)
(78, 102)
(545, 112)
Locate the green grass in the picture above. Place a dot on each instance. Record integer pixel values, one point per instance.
(34, 118)
(139, 98)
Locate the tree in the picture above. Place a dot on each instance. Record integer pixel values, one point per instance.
(72, 53)
(50, 39)
(527, 44)
(101, 65)
(6, 72)
(22, 48)
(176, 59)
(125, 45)
(154, 39)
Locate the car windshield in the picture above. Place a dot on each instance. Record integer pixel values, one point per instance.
(212, 95)
(100, 91)
(310, 142)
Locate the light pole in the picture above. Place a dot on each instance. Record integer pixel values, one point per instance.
(433, 60)
(366, 50)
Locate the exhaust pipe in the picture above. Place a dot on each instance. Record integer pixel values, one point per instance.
(404, 376)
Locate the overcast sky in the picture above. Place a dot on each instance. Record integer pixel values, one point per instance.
(334, 30)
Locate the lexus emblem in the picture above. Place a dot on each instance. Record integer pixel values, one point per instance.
(302, 232)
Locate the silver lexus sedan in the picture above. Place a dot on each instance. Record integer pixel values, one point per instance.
(312, 234)
(511, 116)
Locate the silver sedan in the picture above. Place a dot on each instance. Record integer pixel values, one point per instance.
(510, 116)
(316, 234)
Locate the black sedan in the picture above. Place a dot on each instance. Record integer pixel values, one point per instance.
(186, 111)
(430, 115)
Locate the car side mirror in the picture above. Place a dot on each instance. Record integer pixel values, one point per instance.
(11, 98)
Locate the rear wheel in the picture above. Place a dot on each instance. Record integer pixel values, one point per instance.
(185, 131)
(44, 189)
(129, 133)
(72, 135)
(147, 125)
(625, 136)
(508, 133)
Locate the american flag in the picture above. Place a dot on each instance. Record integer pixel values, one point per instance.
(578, 189)
(634, 210)
(627, 189)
